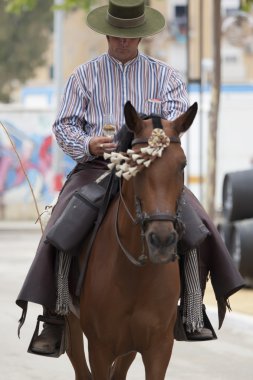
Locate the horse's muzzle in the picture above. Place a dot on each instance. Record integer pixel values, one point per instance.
(162, 245)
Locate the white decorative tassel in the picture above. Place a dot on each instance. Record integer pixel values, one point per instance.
(107, 155)
(119, 173)
(124, 166)
(111, 166)
(135, 157)
(147, 163)
(127, 175)
(133, 171)
(147, 150)
(160, 152)
(154, 153)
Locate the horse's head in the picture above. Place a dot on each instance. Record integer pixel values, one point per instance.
(155, 166)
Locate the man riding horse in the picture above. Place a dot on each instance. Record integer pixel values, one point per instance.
(99, 87)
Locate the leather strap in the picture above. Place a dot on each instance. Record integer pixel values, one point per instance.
(142, 259)
(51, 320)
(173, 139)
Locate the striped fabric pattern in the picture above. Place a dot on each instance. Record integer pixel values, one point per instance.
(103, 86)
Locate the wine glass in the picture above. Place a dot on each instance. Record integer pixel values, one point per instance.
(109, 125)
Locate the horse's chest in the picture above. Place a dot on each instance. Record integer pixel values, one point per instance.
(128, 315)
(131, 328)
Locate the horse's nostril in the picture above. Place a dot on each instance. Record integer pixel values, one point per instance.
(154, 240)
(171, 239)
(161, 242)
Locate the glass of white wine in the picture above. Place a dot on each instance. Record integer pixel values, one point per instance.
(109, 125)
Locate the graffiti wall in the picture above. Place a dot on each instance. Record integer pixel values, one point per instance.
(30, 133)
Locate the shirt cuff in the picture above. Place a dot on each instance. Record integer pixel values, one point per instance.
(87, 156)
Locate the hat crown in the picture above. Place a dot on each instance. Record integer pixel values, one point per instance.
(126, 18)
(126, 9)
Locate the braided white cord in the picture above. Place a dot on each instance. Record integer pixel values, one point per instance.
(128, 164)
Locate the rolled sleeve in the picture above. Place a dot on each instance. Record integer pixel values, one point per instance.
(68, 127)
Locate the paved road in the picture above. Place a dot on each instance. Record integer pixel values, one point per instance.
(228, 358)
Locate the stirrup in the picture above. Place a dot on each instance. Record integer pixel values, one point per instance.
(53, 321)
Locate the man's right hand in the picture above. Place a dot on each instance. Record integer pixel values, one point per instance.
(100, 144)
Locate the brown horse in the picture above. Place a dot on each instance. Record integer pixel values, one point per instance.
(132, 286)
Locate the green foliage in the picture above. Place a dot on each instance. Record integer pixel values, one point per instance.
(246, 5)
(82, 4)
(25, 27)
(24, 39)
(18, 6)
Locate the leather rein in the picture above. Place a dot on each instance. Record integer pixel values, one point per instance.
(142, 218)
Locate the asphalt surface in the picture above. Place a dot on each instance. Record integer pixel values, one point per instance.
(228, 358)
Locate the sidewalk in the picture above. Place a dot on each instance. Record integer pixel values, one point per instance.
(19, 225)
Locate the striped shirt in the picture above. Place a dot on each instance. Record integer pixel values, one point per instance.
(102, 86)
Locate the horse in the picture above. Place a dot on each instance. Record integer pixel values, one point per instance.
(129, 298)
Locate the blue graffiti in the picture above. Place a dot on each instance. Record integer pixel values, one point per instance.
(35, 152)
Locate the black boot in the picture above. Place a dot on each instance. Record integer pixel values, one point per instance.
(50, 340)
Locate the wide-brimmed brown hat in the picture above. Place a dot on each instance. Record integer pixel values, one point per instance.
(126, 18)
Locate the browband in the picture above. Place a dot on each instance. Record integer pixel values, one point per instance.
(141, 140)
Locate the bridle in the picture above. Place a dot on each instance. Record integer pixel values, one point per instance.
(142, 218)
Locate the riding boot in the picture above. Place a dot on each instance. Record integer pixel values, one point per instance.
(49, 341)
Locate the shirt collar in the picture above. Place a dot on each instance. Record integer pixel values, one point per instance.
(128, 63)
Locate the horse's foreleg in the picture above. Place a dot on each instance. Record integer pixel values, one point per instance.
(121, 366)
(156, 359)
(75, 349)
(100, 361)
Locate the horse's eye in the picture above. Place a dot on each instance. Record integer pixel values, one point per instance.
(183, 165)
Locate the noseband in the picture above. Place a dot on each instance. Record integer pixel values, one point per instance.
(142, 218)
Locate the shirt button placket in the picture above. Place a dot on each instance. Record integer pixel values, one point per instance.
(124, 71)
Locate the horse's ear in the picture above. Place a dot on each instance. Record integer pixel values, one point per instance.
(184, 121)
(133, 121)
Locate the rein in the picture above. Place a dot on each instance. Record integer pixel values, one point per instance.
(143, 218)
(142, 259)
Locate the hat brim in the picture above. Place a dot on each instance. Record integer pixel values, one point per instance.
(154, 23)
